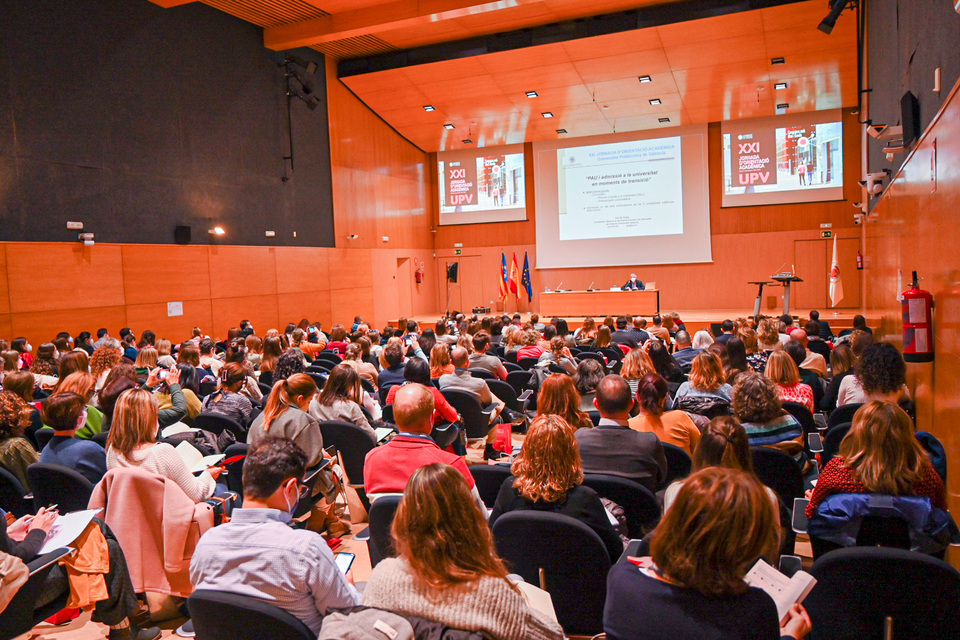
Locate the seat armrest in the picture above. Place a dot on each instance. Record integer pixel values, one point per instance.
(523, 397)
(47, 559)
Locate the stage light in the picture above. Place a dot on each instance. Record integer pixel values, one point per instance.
(836, 8)
(449, 126)
(656, 101)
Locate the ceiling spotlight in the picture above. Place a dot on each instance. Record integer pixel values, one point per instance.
(429, 107)
(561, 130)
(547, 114)
(656, 101)
(467, 141)
(780, 85)
(532, 94)
(645, 79)
(663, 120)
(216, 231)
(449, 126)
(778, 60)
(836, 8)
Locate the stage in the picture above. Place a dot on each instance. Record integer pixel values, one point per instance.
(696, 319)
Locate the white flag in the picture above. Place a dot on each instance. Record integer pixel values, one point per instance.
(836, 285)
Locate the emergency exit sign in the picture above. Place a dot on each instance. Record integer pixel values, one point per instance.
(826, 234)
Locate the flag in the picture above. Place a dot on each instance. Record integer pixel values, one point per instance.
(836, 286)
(514, 276)
(526, 277)
(504, 292)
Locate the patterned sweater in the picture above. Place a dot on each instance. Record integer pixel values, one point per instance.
(487, 604)
(837, 478)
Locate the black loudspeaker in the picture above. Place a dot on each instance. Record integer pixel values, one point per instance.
(453, 269)
(181, 234)
(910, 117)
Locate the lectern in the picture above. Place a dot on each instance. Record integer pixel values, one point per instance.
(756, 305)
(785, 279)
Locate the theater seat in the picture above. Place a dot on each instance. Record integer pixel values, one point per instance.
(218, 615)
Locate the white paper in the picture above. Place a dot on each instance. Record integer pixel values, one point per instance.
(613, 520)
(920, 339)
(194, 458)
(174, 309)
(917, 311)
(538, 599)
(175, 428)
(382, 433)
(785, 591)
(66, 529)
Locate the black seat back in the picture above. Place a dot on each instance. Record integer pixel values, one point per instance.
(382, 511)
(53, 484)
(475, 421)
(843, 413)
(489, 478)
(482, 373)
(780, 472)
(860, 587)
(590, 355)
(505, 392)
(639, 504)
(13, 495)
(352, 442)
(235, 469)
(573, 558)
(519, 380)
(218, 615)
(319, 378)
(329, 356)
(679, 463)
(528, 363)
(218, 423)
(831, 442)
(805, 418)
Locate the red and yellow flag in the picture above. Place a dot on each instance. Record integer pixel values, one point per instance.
(515, 277)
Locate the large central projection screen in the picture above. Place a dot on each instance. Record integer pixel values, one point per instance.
(623, 199)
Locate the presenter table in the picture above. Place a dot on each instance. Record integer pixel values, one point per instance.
(566, 304)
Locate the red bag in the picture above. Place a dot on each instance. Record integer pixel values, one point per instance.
(504, 440)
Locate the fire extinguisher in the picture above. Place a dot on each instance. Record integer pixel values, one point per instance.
(859, 261)
(419, 273)
(917, 323)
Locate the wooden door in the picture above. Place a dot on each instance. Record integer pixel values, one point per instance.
(812, 264)
(404, 287)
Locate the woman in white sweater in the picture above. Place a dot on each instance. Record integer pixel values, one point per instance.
(448, 570)
(133, 443)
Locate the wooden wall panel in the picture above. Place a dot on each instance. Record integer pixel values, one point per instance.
(261, 310)
(153, 316)
(6, 328)
(4, 290)
(302, 269)
(312, 305)
(41, 326)
(242, 271)
(47, 276)
(812, 260)
(351, 268)
(183, 273)
(347, 303)
(915, 229)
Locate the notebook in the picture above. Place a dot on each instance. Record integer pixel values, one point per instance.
(785, 591)
(195, 459)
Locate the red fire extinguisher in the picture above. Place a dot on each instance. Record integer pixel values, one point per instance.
(418, 274)
(859, 261)
(917, 323)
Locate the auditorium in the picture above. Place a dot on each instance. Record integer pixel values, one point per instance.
(513, 320)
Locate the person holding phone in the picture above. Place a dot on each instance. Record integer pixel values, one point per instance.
(257, 554)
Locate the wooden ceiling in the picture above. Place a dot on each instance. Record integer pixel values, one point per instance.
(706, 70)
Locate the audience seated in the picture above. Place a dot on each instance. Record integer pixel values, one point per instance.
(480, 359)
(664, 363)
(286, 416)
(685, 352)
(727, 328)
(558, 396)
(880, 454)
(462, 380)
(298, 340)
(841, 365)
(416, 371)
(707, 390)
(227, 399)
(816, 342)
(806, 376)
(880, 374)
(823, 327)
(356, 358)
(612, 447)
(16, 452)
(589, 375)
(258, 555)
(624, 336)
(672, 427)
(340, 399)
(603, 340)
(702, 339)
(859, 324)
(338, 336)
(448, 569)
(530, 347)
(736, 359)
(391, 364)
(782, 370)
(756, 358)
(557, 354)
(658, 331)
(133, 443)
(289, 363)
(692, 587)
(65, 412)
(106, 356)
(388, 468)
(548, 476)
(636, 364)
(814, 361)
(207, 359)
(768, 340)
(756, 403)
(587, 332)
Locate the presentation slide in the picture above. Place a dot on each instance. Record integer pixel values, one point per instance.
(481, 185)
(783, 159)
(623, 199)
(621, 190)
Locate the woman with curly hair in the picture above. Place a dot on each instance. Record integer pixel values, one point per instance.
(447, 569)
(558, 396)
(548, 476)
(531, 347)
(559, 355)
(636, 364)
(880, 374)
(768, 341)
(106, 357)
(16, 452)
(756, 403)
(289, 363)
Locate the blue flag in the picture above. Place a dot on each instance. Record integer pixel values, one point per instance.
(526, 277)
(503, 277)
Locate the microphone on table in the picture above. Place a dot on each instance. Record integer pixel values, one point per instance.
(560, 285)
(590, 288)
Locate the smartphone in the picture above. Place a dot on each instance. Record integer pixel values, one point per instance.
(163, 374)
(814, 442)
(799, 521)
(789, 565)
(344, 560)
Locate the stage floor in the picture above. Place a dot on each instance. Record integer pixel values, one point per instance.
(696, 319)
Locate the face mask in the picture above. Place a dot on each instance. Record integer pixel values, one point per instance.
(29, 347)
(291, 509)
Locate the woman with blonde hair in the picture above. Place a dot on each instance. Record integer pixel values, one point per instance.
(880, 454)
(706, 379)
(447, 569)
(784, 372)
(602, 341)
(146, 360)
(530, 348)
(548, 476)
(286, 415)
(133, 443)
(511, 338)
(298, 340)
(768, 341)
(587, 332)
(558, 396)
(636, 364)
(440, 363)
(164, 354)
(355, 360)
(672, 427)
(751, 344)
(721, 522)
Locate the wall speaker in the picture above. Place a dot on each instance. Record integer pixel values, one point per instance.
(910, 117)
(453, 269)
(181, 234)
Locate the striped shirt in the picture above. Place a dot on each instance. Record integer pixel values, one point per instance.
(256, 554)
(780, 429)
